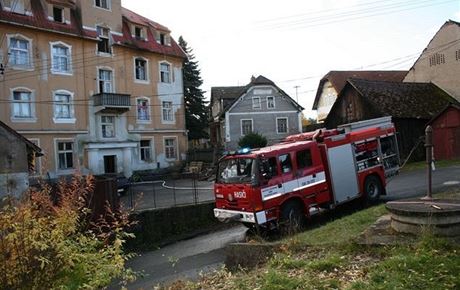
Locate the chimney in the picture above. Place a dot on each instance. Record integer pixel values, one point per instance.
(253, 78)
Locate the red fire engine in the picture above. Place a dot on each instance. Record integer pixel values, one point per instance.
(306, 173)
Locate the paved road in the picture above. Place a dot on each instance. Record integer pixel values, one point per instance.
(187, 259)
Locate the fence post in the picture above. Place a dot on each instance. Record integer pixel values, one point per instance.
(195, 196)
(174, 191)
(154, 195)
(130, 194)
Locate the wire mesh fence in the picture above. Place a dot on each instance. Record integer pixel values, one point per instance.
(161, 191)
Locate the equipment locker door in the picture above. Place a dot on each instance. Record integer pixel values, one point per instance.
(343, 173)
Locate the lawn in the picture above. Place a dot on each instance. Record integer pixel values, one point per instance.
(328, 257)
(422, 164)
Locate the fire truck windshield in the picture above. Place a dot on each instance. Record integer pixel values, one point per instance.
(237, 170)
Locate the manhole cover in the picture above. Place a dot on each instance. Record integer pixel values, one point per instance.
(454, 182)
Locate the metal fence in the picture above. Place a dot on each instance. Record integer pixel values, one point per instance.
(162, 191)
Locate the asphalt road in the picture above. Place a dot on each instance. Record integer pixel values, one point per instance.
(186, 259)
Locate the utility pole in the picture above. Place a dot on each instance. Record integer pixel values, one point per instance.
(296, 93)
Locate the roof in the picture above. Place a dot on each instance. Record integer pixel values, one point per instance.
(457, 107)
(234, 93)
(40, 20)
(338, 79)
(403, 100)
(28, 143)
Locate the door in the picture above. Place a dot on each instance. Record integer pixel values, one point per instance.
(343, 173)
(110, 164)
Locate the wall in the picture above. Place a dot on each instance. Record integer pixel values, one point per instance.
(446, 135)
(13, 164)
(264, 119)
(444, 75)
(162, 226)
(93, 16)
(326, 101)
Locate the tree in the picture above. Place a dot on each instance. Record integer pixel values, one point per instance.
(253, 140)
(196, 113)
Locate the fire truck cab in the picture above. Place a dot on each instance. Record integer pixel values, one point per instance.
(306, 173)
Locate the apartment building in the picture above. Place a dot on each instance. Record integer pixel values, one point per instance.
(96, 86)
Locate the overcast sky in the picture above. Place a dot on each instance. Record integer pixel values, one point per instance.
(295, 42)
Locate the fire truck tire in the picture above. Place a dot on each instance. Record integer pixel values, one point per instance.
(292, 217)
(372, 188)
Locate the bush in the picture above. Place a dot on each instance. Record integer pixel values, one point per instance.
(253, 140)
(48, 243)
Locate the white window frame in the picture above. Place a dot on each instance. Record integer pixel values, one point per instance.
(102, 36)
(58, 120)
(149, 111)
(160, 72)
(29, 66)
(109, 5)
(143, 35)
(176, 147)
(241, 125)
(33, 116)
(254, 103)
(56, 155)
(151, 147)
(147, 73)
(171, 109)
(114, 124)
(62, 14)
(287, 125)
(69, 72)
(274, 103)
(166, 38)
(106, 68)
(38, 161)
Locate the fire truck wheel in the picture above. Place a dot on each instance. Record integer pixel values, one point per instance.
(292, 217)
(372, 188)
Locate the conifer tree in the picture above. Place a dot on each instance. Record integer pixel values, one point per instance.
(196, 112)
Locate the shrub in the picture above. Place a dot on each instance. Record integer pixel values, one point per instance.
(48, 243)
(253, 140)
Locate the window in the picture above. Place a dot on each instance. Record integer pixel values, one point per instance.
(256, 103)
(22, 105)
(108, 126)
(35, 166)
(163, 38)
(105, 4)
(58, 14)
(170, 148)
(281, 125)
(437, 59)
(285, 162)
(145, 150)
(143, 111)
(165, 72)
(140, 69)
(270, 102)
(272, 166)
(65, 155)
(103, 46)
(457, 55)
(139, 32)
(167, 112)
(105, 81)
(19, 53)
(304, 159)
(60, 58)
(246, 127)
(63, 108)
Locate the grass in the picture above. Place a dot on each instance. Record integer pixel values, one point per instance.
(422, 165)
(327, 257)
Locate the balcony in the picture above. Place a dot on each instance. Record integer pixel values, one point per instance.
(112, 103)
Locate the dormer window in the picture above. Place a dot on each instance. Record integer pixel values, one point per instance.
(163, 38)
(58, 14)
(104, 4)
(139, 32)
(103, 46)
(15, 6)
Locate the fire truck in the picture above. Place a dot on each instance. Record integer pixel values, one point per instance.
(306, 174)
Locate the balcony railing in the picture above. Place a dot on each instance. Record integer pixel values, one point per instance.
(112, 102)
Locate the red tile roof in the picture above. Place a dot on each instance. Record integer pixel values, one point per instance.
(39, 20)
(338, 79)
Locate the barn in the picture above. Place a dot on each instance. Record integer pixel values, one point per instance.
(412, 106)
(446, 133)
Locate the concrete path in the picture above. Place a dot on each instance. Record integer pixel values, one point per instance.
(185, 259)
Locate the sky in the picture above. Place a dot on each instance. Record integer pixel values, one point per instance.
(296, 42)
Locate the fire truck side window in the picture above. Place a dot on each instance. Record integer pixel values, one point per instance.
(286, 164)
(304, 159)
(272, 166)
